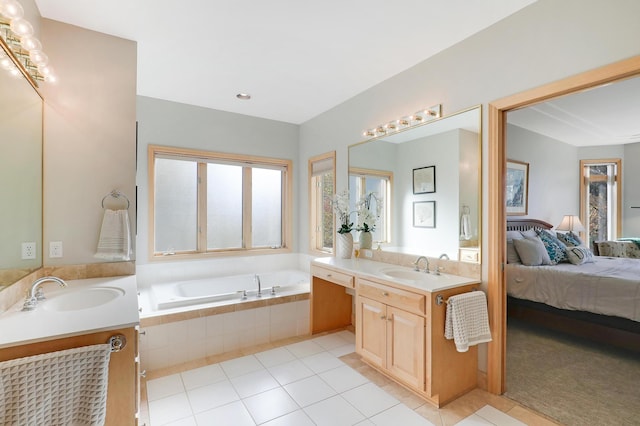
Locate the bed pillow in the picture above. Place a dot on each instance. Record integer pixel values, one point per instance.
(557, 249)
(532, 251)
(569, 239)
(579, 255)
(512, 254)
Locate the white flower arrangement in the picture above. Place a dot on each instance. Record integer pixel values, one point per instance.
(366, 218)
(340, 204)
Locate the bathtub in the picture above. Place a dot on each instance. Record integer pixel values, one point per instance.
(233, 289)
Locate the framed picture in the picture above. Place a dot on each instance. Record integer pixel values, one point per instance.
(517, 188)
(424, 214)
(424, 180)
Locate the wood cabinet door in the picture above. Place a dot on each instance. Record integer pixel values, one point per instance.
(372, 328)
(405, 346)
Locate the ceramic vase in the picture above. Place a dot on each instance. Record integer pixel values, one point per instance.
(365, 240)
(344, 246)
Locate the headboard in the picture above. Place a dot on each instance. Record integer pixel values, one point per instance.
(526, 224)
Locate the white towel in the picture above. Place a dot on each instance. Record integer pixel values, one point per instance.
(115, 236)
(59, 388)
(465, 227)
(467, 320)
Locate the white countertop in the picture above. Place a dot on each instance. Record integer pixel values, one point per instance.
(44, 323)
(371, 269)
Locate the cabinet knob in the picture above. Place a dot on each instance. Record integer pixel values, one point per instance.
(384, 293)
(382, 317)
(328, 275)
(389, 319)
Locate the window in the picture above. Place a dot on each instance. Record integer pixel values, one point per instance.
(208, 202)
(322, 186)
(364, 181)
(600, 199)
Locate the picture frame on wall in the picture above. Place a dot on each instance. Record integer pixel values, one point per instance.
(424, 180)
(517, 188)
(424, 214)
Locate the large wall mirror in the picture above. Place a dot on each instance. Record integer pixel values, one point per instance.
(428, 180)
(20, 177)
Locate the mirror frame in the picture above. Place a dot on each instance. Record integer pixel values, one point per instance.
(496, 253)
(479, 108)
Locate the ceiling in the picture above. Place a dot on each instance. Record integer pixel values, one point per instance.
(295, 58)
(605, 115)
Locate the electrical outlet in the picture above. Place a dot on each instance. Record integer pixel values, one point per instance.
(28, 250)
(55, 249)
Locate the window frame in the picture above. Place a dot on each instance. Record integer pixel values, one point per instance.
(315, 204)
(584, 185)
(362, 174)
(203, 157)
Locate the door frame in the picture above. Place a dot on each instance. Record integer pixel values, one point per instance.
(496, 256)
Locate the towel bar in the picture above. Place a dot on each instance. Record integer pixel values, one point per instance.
(440, 298)
(117, 342)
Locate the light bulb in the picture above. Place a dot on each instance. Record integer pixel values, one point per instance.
(39, 58)
(30, 43)
(11, 9)
(21, 27)
(46, 70)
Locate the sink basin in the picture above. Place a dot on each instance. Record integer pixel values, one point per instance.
(411, 275)
(405, 274)
(86, 298)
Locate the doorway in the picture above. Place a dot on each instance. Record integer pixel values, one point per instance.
(496, 365)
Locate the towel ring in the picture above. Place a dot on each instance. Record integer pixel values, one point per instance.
(116, 194)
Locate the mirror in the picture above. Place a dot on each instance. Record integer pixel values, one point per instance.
(429, 180)
(20, 177)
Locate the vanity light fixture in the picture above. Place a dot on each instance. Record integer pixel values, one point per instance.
(16, 34)
(420, 117)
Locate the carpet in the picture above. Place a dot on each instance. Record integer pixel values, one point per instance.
(571, 380)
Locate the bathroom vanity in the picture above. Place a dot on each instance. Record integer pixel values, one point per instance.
(87, 312)
(399, 322)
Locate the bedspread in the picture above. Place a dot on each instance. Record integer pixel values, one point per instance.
(609, 286)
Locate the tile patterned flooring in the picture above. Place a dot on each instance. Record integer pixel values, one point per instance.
(315, 381)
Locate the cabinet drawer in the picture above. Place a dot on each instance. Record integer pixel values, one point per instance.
(339, 278)
(407, 300)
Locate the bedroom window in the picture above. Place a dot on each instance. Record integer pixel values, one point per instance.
(322, 186)
(364, 181)
(600, 198)
(214, 203)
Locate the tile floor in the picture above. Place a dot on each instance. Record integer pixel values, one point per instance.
(317, 381)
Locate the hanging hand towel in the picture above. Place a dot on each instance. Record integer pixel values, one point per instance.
(58, 388)
(467, 320)
(115, 236)
(465, 227)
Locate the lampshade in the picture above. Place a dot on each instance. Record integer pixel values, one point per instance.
(570, 223)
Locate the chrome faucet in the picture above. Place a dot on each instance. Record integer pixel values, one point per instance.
(257, 280)
(36, 293)
(417, 264)
(444, 256)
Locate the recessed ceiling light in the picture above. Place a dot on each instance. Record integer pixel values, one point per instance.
(243, 96)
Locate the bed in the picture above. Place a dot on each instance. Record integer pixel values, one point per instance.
(598, 300)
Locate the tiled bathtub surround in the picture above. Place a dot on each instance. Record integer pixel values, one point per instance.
(167, 344)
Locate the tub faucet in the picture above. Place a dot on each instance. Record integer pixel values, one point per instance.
(257, 280)
(417, 264)
(36, 293)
